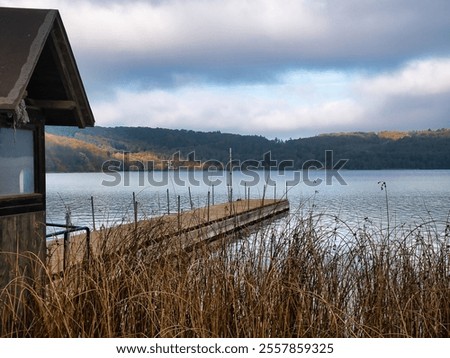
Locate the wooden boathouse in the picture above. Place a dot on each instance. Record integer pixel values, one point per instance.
(39, 85)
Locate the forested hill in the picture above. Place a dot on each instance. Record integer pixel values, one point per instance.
(72, 149)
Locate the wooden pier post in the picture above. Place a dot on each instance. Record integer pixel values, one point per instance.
(135, 211)
(209, 194)
(264, 194)
(66, 243)
(168, 203)
(93, 214)
(190, 198)
(179, 212)
(230, 179)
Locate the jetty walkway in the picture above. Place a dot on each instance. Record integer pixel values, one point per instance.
(182, 231)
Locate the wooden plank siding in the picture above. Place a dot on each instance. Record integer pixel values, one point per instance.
(22, 243)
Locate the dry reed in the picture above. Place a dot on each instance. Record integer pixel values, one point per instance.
(303, 277)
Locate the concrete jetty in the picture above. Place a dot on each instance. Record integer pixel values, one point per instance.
(181, 231)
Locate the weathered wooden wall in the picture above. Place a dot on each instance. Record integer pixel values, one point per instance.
(22, 239)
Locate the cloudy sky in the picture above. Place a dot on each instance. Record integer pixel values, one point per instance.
(278, 68)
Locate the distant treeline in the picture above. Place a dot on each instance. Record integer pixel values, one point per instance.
(72, 149)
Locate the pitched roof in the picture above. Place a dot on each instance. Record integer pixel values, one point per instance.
(37, 64)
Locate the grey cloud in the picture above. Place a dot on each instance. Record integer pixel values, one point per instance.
(372, 31)
(357, 34)
(406, 112)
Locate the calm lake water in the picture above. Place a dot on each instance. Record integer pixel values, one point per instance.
(414, 196)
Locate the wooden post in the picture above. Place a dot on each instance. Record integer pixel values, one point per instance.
(66, 240)
(168, 203)
(213, 194)
(135, 210)
(190, 198)
(230, 179)
(209, 195)
(275, 191)
(179, 212)
(248, 198)
(286, 190)
(93, 214)
(264, 194)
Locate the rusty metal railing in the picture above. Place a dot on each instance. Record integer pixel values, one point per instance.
(67, 230)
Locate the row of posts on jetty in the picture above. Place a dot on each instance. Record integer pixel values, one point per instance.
(210, 199)
(210, 202)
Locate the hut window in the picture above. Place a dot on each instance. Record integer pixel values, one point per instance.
(16, 161)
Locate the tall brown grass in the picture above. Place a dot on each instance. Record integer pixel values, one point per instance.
(303, 277)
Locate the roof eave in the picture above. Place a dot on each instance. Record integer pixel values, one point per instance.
(50, 28)
(85, 117)
(17, 93)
